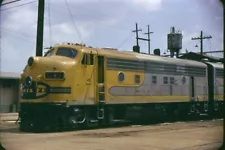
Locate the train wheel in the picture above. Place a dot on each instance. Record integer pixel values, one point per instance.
(221, 109)
(90, 121)
(215, 110)
(25, 126)
(109, 117)
(72, 122)
(175, 115)
(206, 108)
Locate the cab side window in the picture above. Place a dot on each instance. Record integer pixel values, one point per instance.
(88, 59)
(91, 59)
(85, 59)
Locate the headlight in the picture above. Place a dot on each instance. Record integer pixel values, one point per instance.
(30, 61)
(28, 81)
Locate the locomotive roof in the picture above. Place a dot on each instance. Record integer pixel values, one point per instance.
(136, 56)
(174, 61)
(216, 65)
(9, 75)
(155, 58)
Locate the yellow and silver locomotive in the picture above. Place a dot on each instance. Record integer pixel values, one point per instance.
(74, 85)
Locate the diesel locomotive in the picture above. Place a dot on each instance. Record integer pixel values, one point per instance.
(75, 85)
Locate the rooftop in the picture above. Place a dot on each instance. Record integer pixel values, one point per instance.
(9, 75)
(199, 57)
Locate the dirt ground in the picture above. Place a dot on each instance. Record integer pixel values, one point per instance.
(200, 135)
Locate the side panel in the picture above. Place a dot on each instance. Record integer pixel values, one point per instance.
(167, 87)
(192, 88)
(218, 85)
(84, 83)
(122, 92)
(100, 79)
(201, 88)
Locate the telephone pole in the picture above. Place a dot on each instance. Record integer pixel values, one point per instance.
(149, 40)
(137, 30)
(137, 38)
(223, 146)
(1, 2)
(0, 42)
(201, 38)
(40, 27)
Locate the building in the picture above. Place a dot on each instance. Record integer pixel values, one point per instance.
(199, 57)
(9, 91)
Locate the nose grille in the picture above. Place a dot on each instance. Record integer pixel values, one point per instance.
(54, 75)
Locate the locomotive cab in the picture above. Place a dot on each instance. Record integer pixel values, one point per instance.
(48, 75)
(64, 77)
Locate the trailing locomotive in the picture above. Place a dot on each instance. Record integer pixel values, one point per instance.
(74, 85)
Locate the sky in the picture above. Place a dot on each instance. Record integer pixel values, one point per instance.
(107, 23)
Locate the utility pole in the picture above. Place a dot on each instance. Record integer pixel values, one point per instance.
(223, 2)
(137, 30)
(40, 27)
(1, 147)
(201, 38)
(0, 41)
(149, 40)
(137, 38)
(1, 2)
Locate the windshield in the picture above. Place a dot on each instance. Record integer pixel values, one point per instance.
(48, 53)
(67, 52)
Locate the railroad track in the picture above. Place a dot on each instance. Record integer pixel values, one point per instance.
(122, 123)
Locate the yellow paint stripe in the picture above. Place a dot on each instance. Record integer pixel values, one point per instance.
(203, 97)
(136, 99)
(219, 97)
(39, 101)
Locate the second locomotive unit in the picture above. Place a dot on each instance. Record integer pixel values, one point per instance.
(74, 85)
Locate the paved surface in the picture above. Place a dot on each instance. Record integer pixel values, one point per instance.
(201, 135)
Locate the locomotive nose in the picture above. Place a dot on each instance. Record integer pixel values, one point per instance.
(46, 68)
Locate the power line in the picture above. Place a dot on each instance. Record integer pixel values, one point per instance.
(19, 35)
(97, 22)
(10, 2)
(23, 33)
(124, 41)
(88, 10)
(74, 22)
(18, 5)
(219, 51)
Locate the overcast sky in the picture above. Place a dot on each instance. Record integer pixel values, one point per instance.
(107, 23)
